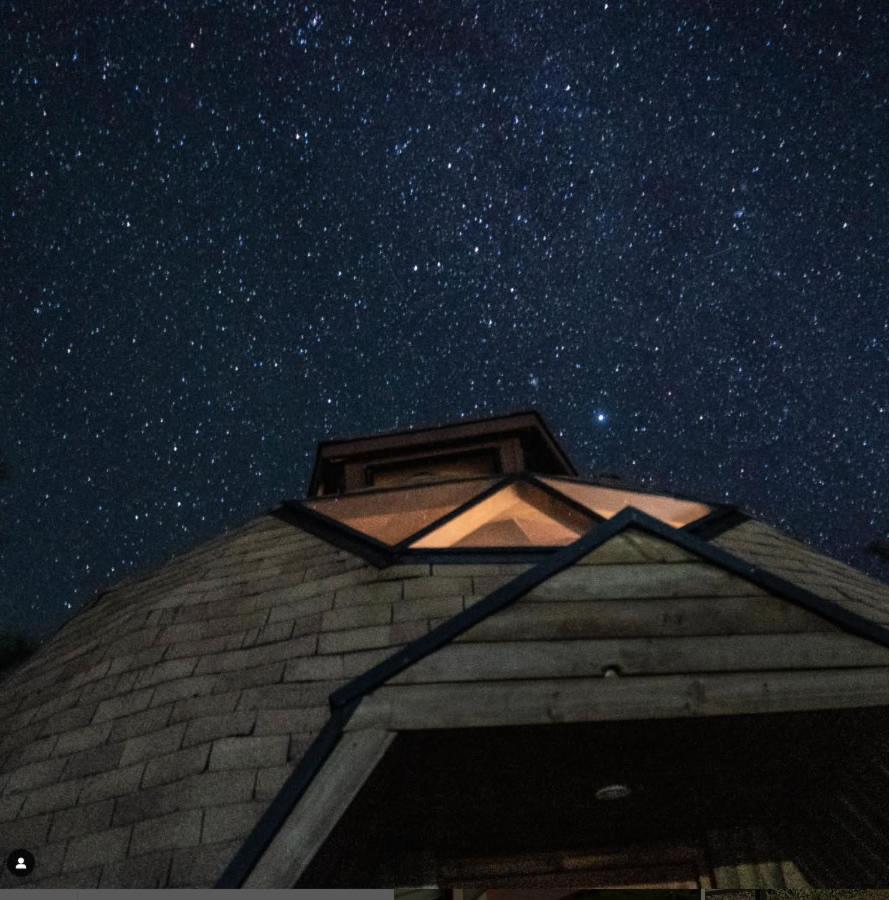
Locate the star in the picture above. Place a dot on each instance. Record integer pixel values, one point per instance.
(233, 236)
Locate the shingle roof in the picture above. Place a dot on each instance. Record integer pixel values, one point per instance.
(777, 552)
(143, 742)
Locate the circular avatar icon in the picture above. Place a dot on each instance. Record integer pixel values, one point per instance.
(20, 862)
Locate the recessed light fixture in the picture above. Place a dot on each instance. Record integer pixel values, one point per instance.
(614, 792)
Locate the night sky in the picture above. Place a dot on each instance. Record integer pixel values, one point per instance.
(231, 229)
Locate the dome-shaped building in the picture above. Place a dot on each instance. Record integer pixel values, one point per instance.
(458, 663)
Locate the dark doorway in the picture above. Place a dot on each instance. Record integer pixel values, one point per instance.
(518, 806)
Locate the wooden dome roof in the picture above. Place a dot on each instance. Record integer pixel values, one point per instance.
(144, 743)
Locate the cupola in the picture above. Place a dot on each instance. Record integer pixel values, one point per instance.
(501, 484)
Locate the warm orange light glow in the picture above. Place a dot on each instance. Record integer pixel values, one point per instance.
(391, 516)
(519, 515)
(608, 502)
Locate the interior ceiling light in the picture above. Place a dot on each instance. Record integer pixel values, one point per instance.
(614, 792)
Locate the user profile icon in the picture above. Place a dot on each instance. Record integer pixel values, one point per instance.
(20, 862)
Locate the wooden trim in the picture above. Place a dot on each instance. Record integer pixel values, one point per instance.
(566, 557)
(576, 505)
(455, 513)
(379, 706)
(632, 487)
(432, 434)
(512, 458)
(552, 659)
(353, 479)
(499, 599)
(524, 420)
(493, 704)
(319, 809)
(251, 852)
(293, 512)
(721, 520)
(638, 865)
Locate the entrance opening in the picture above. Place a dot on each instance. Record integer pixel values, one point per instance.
(518, 806)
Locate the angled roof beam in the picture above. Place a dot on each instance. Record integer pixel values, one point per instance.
(337, 533)
(345, 700)
(527, 581)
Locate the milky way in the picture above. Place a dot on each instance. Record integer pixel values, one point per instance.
(230, 230)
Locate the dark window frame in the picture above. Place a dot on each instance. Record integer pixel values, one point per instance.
(722, 518)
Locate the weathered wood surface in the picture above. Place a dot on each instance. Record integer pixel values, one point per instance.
(635, 581)
(458, 704)
(325, 801)
(780, 554)
(634, 545)
(644, 865)
(573, 659)
(660, 877)
(528, 620)
(751, 857)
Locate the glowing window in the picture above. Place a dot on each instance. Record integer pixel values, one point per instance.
(391, 516)
(519, 515)
(608, 502)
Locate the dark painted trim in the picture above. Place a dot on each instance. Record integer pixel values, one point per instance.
(456, 512)
(259, 840)
(515, 478)
(555, 447)
(297, 513)
(576, 505)
(527, 581)
(718, 522)
(632, 487)
(375, 552)
(494, 602)
(315, 475)
(346, 699)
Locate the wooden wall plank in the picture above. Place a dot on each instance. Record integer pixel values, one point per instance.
(799, 563)
(458, 705)
(635, 865)
(528, 620)
(580, 658)
(644, 580)
(320, 808)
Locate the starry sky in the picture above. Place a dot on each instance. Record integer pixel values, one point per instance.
(231, 229)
